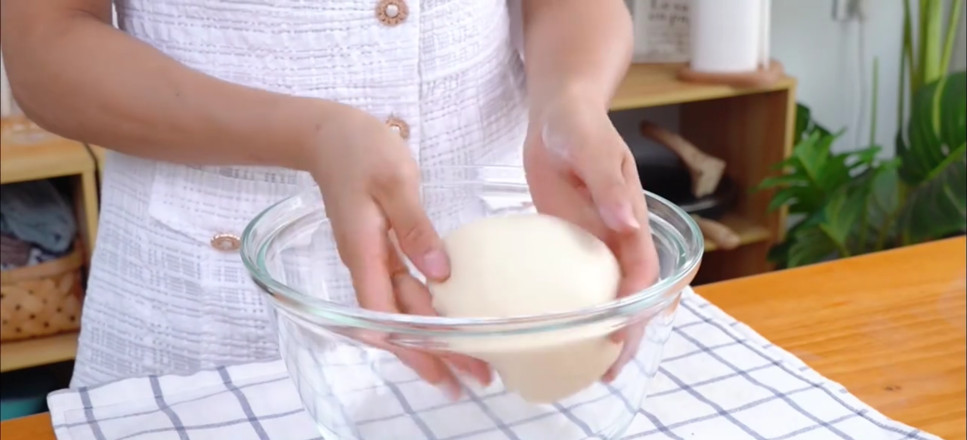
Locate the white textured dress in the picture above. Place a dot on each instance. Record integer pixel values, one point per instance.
(161, 298)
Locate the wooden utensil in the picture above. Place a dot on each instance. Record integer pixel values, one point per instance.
(720, 234)
(706, 170)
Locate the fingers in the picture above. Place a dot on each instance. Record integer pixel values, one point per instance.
(608, 186)
(360, 233)
(631, 336)
(636, 250)
(400, 199)
(640, 268)
(430, 368)
(414, 298)
(365, 249)
(612, 179)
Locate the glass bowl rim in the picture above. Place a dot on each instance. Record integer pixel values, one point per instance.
(358, 317)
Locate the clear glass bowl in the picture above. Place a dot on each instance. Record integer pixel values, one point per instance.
(354, 390)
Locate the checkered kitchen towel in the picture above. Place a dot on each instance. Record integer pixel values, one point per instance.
(719, 380)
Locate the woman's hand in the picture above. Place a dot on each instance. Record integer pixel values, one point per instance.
(370, 185)
(579, 169)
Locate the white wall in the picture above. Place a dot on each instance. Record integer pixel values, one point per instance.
(833, 63)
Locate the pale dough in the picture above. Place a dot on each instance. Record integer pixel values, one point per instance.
(532, 265)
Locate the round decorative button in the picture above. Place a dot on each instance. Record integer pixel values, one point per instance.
(399, 126)
(391, 12)
(226, 242)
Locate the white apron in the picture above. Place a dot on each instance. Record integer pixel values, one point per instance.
(160, 298)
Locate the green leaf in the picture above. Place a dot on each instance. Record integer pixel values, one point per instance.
(938, 207)
(841, 214)
(799, 199)
(810, 246)
(931, 20)
(863, 157)
(811, 173)
(781, 253)
(841, 227)
(784, 164)
(934, 163)
(812, 154)
(806, 125)
(781, 181)
(883, 207)
(835, 173)
(952, 109)
(803, 121)
(937, 125)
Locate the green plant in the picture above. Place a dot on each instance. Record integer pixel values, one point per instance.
(856, 202)
(930, 61)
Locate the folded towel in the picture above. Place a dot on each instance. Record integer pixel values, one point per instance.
(719, 380)
(36, 212)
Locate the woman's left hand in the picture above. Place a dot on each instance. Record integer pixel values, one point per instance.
(580, 169)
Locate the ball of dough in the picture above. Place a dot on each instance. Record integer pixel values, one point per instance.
(526, 265)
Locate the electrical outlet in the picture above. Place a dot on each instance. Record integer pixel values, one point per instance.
(859, 8)
(846, 10)
(840, 10)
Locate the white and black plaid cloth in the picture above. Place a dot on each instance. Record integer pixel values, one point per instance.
(719, 380)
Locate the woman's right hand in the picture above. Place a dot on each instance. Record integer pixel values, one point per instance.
(370, 186)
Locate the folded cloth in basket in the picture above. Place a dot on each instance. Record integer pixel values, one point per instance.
(37, 212)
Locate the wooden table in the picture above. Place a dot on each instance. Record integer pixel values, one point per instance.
(890, 327)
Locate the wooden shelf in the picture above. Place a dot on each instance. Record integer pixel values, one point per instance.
(750, 128)
(651, 85)
(749, 232)
(53, 157)
(28, 353)
(99, 153)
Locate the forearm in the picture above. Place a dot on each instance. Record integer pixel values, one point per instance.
(575, 47)
(81, 78)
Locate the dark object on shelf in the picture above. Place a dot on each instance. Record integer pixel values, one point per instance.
(705, 170)
(674, 182)
(682, 173)
(25, 392)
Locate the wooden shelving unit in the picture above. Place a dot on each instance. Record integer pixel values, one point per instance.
(653, 85)
(98, 153)
(750, 128)
(41, 351)
(52, 157)
(57, 157)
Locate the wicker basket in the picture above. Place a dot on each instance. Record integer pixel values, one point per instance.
(43, 299)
